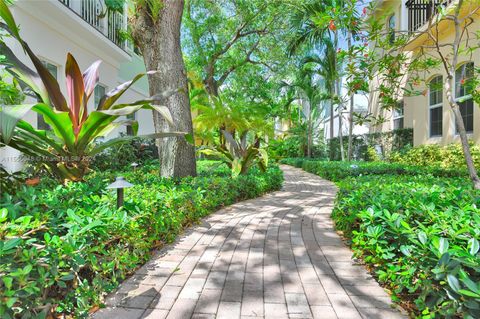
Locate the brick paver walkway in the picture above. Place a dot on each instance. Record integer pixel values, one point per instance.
(277, 256)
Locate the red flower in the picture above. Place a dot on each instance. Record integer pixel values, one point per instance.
(332, 26)
(462, 81)
(365, 44)
(364, 12)
(366, 55)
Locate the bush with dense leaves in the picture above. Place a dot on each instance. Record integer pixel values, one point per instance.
(139, 151)
(63, 246)
(450, 156)
(418, 230)
(336, 171)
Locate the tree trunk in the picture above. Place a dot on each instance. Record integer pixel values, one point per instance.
(309, 132)
(159, 42)
(332, 96)
(340, 118)
(350, 118)
(472, 171)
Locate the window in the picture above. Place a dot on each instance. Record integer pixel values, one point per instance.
(436, 106)
(52, 68)
(98, 93)
(398, 116)
(392, 21)
(463, 94)
(129, 126)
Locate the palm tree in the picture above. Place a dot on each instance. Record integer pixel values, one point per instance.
(327, 68)
(307, 89)
(315, 24)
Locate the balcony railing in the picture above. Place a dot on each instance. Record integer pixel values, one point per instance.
(95, 12)
(420, 11)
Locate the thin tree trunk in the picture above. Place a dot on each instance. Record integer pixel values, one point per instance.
(350, 119)
(340, 122)
(159, 42)
(309, 133)
(332, 96)
(450, 68)
(472, 171)
(340, 103)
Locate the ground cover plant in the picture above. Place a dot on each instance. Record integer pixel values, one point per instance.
(417, 229)
(63, 246)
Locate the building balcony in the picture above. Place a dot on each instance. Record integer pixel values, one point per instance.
(94, 12)
(420, 12)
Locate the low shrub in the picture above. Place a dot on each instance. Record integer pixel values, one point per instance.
(139, 151)
(336, 171)
(450, 156)
(418, 229)
(63, 246)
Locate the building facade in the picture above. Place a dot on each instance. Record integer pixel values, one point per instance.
(429, 113)
(84, 28)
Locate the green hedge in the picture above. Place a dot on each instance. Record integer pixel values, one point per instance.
(417, 228)
(450, 156)
(336, 171)
(64, 246)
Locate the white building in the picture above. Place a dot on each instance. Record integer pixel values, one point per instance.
(360, 105)
(53, 28)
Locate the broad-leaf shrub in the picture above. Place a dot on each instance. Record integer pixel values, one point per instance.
(450, 156)
(417, 228)
(336, 171)
(62, 247)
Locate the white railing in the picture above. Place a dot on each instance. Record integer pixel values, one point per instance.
(95, 12)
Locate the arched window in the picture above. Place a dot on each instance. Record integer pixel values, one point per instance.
(435, 104)
(392, 21)
(463, 93)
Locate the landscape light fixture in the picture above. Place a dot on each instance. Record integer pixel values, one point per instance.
(119, 184)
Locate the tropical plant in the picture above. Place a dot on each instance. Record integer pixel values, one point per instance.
(67, 150)
(239, 154)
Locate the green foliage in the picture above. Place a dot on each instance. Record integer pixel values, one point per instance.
(288, 147)
(421, 235)
(417, 227)
(450, 156)
(336, 171)
(63, 246)
(239, 154)
(138, 151)
(9, 182)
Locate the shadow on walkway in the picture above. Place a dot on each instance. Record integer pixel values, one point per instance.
(277, 256)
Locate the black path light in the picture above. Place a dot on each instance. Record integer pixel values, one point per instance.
(119, 184)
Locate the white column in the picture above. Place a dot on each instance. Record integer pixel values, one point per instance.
(403, 16)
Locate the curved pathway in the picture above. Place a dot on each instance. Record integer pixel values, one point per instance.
(277, 256)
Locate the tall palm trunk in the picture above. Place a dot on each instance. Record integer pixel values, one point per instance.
(159, 41)
(332, 97)
(350, 116)
(339, 96)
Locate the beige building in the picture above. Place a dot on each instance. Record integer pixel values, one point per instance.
(429, 113)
